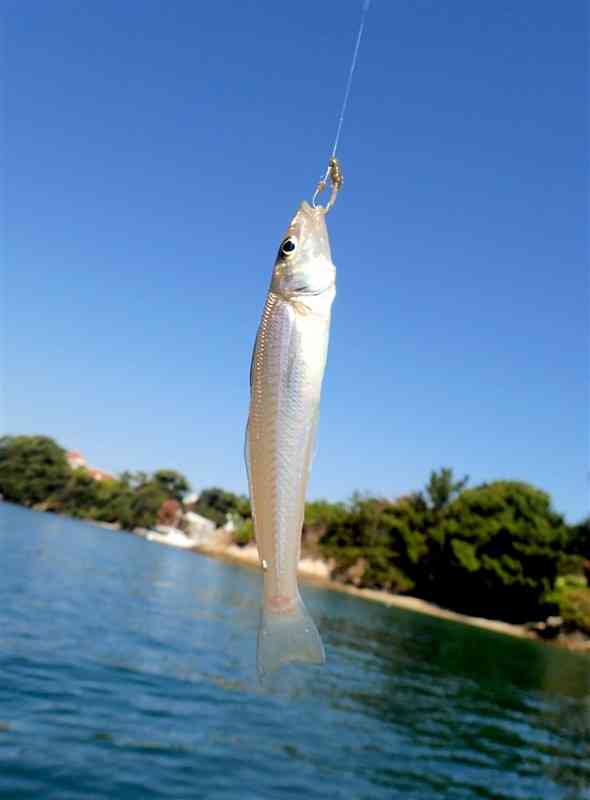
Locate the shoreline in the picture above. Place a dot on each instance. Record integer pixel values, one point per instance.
(317, 572)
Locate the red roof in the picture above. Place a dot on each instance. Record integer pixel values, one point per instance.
(99, 474)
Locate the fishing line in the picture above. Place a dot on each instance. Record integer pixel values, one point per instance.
(366, 5)
(333, 170)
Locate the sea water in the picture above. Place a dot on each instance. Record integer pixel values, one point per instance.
(127, 670)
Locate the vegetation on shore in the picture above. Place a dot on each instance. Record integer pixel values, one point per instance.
(497, 550)
(34, 472)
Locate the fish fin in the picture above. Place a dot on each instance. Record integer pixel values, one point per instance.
(283, 638)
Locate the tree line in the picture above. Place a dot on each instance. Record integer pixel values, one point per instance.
(34, 472)
(498, 550)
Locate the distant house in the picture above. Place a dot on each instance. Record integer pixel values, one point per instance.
(99, 474)
(77, 461)
(197, 527)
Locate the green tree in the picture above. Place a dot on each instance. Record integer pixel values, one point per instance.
(145, 504)
(579, 539)
(105, 501)
(407, 520)
(495, 552)
(244, 534)
(319, 515)
(422, 511)
(365, 539)
(79, 496)
(117, 505)
(134, 479)
(133, 501)
(32, 468)
(442, 488)
(173, 483)
(215, 504)
(574, 608)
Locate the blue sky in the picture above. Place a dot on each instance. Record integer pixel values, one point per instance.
(155, 154)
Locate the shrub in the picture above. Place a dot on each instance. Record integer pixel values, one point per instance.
(574, 607)
(244, 534)
(31, 468)
(369, 530)
(495, 552)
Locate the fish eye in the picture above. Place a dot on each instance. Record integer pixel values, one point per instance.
(289, 246)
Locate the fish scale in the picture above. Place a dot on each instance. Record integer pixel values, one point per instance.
(286, 377)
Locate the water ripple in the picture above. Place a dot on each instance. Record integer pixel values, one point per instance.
(128, 672)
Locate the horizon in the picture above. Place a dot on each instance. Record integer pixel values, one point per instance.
(155, 161)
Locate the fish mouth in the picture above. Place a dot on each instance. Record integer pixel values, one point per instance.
(311, 211)
(307, 214)
(310, 221)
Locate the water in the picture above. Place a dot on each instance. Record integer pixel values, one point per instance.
(127, 671)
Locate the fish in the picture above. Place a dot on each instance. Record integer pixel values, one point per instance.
(286, 374)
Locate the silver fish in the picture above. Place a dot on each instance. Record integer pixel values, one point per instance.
(285, 383)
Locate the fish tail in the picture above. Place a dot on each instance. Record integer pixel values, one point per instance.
(286, 637)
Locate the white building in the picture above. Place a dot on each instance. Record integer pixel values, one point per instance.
(199, 528)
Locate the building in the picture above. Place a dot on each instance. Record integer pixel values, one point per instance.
(99, 474)
(77, 461)
(197, 527)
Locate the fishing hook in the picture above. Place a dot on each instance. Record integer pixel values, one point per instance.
(334, 173)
